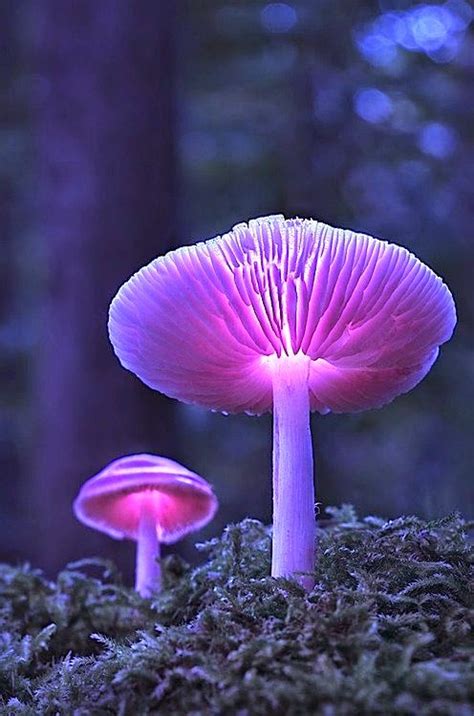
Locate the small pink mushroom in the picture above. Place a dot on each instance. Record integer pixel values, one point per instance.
(148, 499)
(290, 316)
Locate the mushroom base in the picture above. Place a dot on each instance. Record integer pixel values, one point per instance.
(294, 523)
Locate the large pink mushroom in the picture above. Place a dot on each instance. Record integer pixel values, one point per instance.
(148, 499)
(290, 316)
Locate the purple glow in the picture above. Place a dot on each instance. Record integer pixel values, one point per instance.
(149, 499)
(331, 319)
(203, 323)
(111, 500)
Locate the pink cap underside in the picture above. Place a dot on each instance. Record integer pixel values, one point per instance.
(112, 500)
(119, 514)
(197, 323)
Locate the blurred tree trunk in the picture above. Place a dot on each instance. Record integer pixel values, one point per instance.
(12, 363)
(105, 130)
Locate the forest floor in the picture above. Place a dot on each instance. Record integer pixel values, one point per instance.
(386, 630)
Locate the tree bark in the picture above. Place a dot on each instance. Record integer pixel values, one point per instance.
(105, 124)
(12, 362)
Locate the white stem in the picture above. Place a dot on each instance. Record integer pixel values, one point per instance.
(148, 568)
(294, 523)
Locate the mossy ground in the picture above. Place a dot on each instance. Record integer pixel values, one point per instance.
(386, 630)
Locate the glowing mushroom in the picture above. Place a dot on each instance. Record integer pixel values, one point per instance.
(148, 499)
(290, 316)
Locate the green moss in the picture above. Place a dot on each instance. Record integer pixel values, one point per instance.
(387, 630)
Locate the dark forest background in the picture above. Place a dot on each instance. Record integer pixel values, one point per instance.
(129, 127)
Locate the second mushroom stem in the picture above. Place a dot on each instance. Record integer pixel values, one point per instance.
(148, 568)
(294, 524)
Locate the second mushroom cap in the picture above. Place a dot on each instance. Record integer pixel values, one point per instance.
(180, 500)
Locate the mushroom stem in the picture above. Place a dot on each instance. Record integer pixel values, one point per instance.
(148, 568)
(294, 524)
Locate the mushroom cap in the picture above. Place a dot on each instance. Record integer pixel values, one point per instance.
(111, 501)
(206, 323)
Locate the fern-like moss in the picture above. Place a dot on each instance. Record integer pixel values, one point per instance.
(386, 630)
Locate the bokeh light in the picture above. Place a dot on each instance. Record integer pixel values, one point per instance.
(278, 17)
(435, 30)
(437, 139)
(373, 105)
